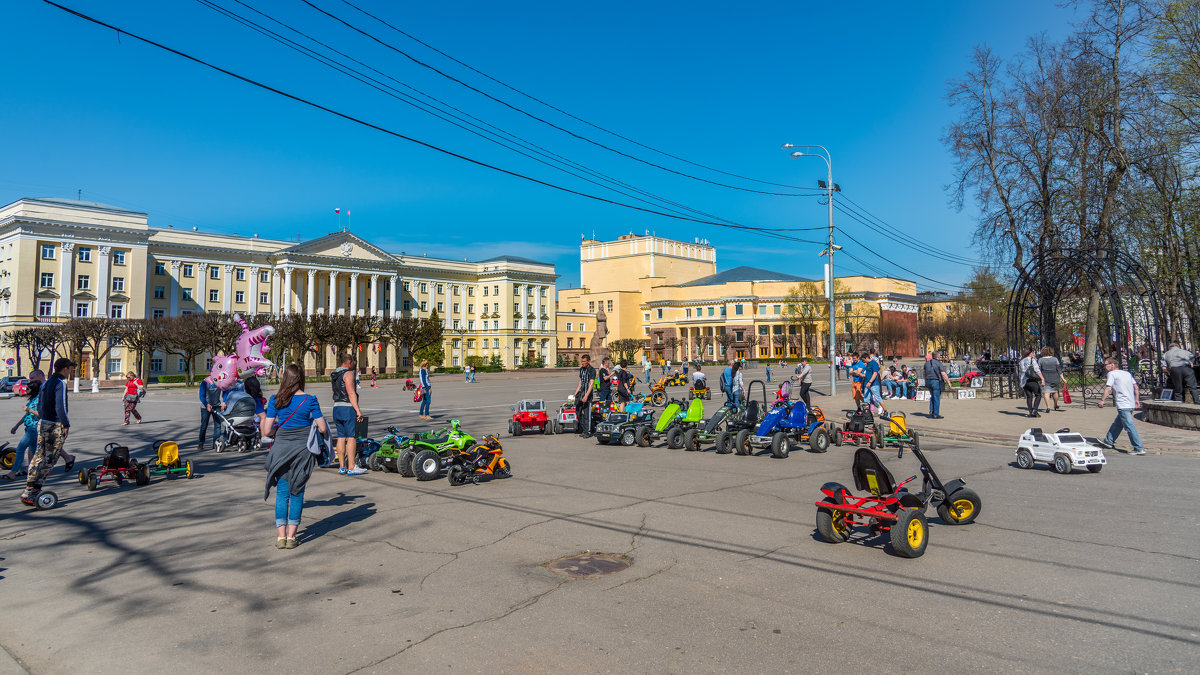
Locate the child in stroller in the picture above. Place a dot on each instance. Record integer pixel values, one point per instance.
(239, 427)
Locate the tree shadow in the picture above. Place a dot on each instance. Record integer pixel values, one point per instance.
(336, 521)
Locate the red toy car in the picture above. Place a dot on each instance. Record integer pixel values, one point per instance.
(529, 416)
(117, 466)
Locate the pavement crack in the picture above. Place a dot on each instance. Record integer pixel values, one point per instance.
(648, 576)
(634, 537)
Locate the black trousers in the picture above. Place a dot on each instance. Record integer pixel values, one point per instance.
(583, 417)
(1184, 378)
(804, 394)
(1033, 395)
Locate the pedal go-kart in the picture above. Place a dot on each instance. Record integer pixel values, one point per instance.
(116, 467)
(1063, 450)
(708, 431)
(859, 428)
(530, 416)
(477, 461)
(622, 426)
(674, 423)
(700, 392)
(742, 421)
(790, 422)
(8, 457)
(658, 392)
(890, 507)
(167, 461)
(896, 431)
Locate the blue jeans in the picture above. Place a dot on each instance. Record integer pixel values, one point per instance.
(425, 398)
(28, 443)
(873, 395)
(1124, 421)
(935, 397)
(287, 505)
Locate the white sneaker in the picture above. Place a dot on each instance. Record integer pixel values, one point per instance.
(356, 471)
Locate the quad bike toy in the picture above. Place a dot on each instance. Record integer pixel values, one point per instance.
(890, 507)
(529, 417)
(674, 423)
(425, 458)
(116, 467)
(478, 461)
(387, 456)
(167, 461)
(622, 426)
(790, 422)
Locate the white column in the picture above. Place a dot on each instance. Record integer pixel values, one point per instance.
(102, 289)
(354, 294)
(394, 294)
(253, 303)
(275, 306)
(202, 286)
(227, 302)
(287, 290)
(310, 307)
(374, 307)
(65, 282)
(173, 287)
(331, 297)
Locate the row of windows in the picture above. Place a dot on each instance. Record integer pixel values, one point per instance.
(116, 310)
(713, 311)
(83, 254)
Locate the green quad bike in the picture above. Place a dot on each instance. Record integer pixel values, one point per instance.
(387, 457)
(672, 425)
(424, 457)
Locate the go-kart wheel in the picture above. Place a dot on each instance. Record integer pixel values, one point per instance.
(45, 500)
(871, 441)
(141, 475)
(878, 437)
(92, 482)
(690, 442)
(188, 469)
(675, 438)
(427, 465)
(658, 398)
(1062, 464)
(724, 444)
(780, 445)
(838, 437)
(741, 442)
(83, 476)
(819, 440)
(118, 478)
(1095, 468)
(832, 525)
(960, 508)
(628, 438)
(1024, 459)
(642, 436)
(910, 534)
(404, 463)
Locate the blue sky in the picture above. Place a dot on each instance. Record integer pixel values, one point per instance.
(83, 108)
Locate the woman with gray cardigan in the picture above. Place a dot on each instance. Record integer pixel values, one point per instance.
(1052, 372)
(290, 462)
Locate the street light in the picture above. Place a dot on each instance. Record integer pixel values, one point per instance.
(830, 187)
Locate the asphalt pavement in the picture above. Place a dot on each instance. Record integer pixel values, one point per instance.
(1076, 573)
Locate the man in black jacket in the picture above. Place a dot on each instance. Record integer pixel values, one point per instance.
(53, 426)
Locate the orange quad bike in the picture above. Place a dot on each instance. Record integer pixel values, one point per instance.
(475, 462)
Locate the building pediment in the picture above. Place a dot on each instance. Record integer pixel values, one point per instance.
(84, 295)
(47, 293)
(340, 245)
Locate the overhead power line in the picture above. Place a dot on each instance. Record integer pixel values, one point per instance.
(856, 211)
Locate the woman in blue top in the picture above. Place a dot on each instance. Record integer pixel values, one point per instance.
(425, 395)
(289, 416)
(28, 442)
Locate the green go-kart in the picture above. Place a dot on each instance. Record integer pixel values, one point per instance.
(673, 424)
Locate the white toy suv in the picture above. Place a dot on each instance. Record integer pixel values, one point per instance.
(1063, 450)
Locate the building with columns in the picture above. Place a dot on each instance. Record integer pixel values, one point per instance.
(62, 258)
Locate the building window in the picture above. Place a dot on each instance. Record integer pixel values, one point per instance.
(710, 311)
(441, 307)
(660, 313)
(424, 306)
(609, 305)
(543, 292)
(424, 287)
(239, 274)
(470, 309)
(214, 295)
(470, 324)
(239, 297)
(470, 344)
(737, 310)
(495, 343)
(83, 309)
(582, 343)
(485, 291)
(496, 289)
(182, 365)
(114, 366)
(187, 270)
(645, 330)
(187, 294)
(116, 310)
(264, 278)
(47, 279)
(118, 284)
(645, 316)
(456, 290)
(214, 272)
(739, 336)
(454, 325)
(582, 327)
(85, 254)
(158, 313)
(687, 313)
(47, 251)
(846, 328)
(764, 330)
(592, 306)
(722, 310)
(160, 268)
(847, 307)
(441, 289)
(456, 307)
(470, 291)
(83, 282)
(777, 308)
(407, 305)
(495, 325)
(569, 326)
(118, 257)
(516, 289)
(160, 292)
(264, 299)
(45, 308)
(186, 312)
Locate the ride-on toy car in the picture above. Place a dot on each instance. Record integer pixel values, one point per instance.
(167, 460)
(700, 392)
(567, 418)
(477, 461)
(622, 426)
(708, 431)
(672, 425)
(788, 422)
(1063, 450)
(529, 417)
(425, 457)
(676, 379)
(890, 507)
(116, 467)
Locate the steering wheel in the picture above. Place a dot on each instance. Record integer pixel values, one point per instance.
(109, 448)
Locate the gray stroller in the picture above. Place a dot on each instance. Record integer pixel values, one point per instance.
(239, 430)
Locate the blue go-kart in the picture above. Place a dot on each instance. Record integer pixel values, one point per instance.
(791, 422)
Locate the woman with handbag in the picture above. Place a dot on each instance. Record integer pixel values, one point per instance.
(1031, 381)
(290, 461)
(1052, 373)
(134, 389)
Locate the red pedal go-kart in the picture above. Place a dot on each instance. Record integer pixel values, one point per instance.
(116, 467)
(890, 507)
(529, 417)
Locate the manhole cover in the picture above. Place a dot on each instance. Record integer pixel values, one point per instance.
(589, 565)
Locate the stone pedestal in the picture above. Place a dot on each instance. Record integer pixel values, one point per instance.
(1172, 414)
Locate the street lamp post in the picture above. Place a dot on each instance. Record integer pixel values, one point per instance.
(830, 188)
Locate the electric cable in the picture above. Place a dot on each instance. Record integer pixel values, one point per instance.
(894, 264)
(899, 234)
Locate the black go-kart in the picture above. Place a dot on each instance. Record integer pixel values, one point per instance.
(741, 422)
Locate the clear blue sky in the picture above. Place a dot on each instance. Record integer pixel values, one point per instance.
(713, 82)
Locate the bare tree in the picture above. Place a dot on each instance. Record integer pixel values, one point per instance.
(725, 340)
(98, 334)
(891, 333)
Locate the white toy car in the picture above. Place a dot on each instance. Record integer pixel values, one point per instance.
(1064, 450)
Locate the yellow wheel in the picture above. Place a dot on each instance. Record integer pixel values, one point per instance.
(832, 525)
(188, 468)
(960, 508)
(910, 534)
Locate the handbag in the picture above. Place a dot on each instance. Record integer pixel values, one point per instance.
(1066, 394)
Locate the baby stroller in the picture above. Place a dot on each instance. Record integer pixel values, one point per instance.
(239, 428)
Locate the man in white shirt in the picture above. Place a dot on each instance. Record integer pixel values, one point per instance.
(1124, 391)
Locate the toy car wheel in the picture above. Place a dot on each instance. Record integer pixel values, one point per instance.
(642, 436)
(404, 463)
(871, 441)
(1062, 464)
(690, 442)
(838, 437)
(832, 525)
(92, 482)
(8, 459)
(558, 429)
(455, 475)
(373, 462)
(675, 438)
(741, 442)
(960, 508)
(548, 428)
(628, 437)
(45, 500)
(724, 444)
(780, 445)
(658, 398)
(516, 428)
(910, 534)
(1095, 468)
(819, 440)
(504, 469)
(1024, 459)
(878, 438)
(141, 475)
(427, 465)
(188, 470)
(83, 476)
